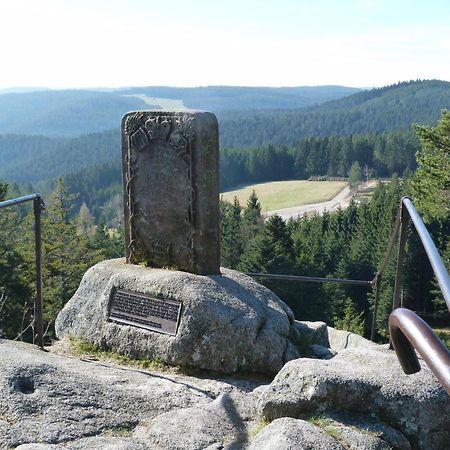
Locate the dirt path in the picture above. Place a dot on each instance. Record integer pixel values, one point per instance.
(342, 199)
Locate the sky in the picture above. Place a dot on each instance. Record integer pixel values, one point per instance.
(117, 43)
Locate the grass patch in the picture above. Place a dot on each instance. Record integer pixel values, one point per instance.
(121, 430)
(333, 432)
(319, 421)
(82, 347)
(284, 194)
(262, 423)
(326, 424)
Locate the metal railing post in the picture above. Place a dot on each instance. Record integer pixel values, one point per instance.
(404, 218)
(375, 306)
(38, 206)
(38, 309)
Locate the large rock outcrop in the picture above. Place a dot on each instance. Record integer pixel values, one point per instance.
(50, 401)
(296, 434)
(228, 322)
(365, 381)
(358, 400)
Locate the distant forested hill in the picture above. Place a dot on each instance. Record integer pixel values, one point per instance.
(390, 108)
(247, 116)
(34, 159)
(63, 113)
(240, 98)
(76, 112)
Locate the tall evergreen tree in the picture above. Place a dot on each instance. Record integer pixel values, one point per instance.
(431, 185)
(431, 193)
(231, 239)
(66, 253)
(16, 294)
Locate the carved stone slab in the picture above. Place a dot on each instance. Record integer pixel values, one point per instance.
(171, 190)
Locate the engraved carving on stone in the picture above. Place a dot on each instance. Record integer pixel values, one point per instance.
(173, 134)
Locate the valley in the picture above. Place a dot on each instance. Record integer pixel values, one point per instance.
(284, 194)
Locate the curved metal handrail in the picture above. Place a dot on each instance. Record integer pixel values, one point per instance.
(406, 329)
(408, 332)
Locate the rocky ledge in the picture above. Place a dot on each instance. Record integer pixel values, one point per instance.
(356, 398)
(228, 322)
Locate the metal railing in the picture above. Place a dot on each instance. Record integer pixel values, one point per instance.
(274, 276)
(38, 206)
(407, 330)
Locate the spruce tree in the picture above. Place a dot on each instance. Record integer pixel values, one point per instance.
(16, 290)
(231, 239)
(431, 185)
(252, 212)
(431, 192)
(66, 253)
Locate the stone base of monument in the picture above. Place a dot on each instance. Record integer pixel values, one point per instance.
(225, 323)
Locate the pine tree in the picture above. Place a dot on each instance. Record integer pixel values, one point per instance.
(16, 290)
(354, 176)
(431, 186)
(352, 320)
(231, 239)
(85, 220)
(252, 212)
(108, 242)
(66, 253)
(431, 194)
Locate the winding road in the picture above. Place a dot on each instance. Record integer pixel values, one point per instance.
(342, 199)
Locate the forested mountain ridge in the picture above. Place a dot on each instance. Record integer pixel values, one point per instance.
(237, 98)
(33, 159)
(395, 92)
(75, 112)
(64, 113)
(391, 108)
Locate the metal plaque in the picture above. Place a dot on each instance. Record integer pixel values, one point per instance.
(140, 310)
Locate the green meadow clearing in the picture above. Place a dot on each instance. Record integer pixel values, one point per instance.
(284, 194)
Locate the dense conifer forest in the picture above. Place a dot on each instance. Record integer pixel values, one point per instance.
(392, 108)
(381, 155)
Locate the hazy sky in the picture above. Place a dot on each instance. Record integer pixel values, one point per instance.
(112, 43)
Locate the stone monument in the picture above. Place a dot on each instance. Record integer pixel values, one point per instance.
(171, 186)
(169, 299)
